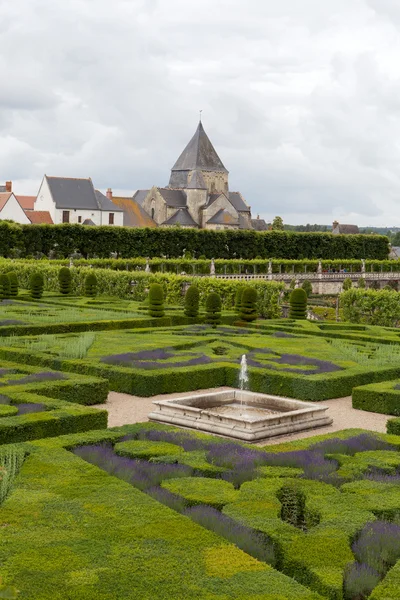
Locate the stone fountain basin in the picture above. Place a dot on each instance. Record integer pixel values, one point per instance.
(242, 415)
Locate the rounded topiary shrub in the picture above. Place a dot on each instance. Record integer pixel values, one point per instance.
(13, 279)
(4, 286)
(91, 285)
(347, 284)
(156, 301)
(65, 281)
(361, 283)
(298, 304)
(36, 285)
(192, 299)
(307, 287)
(248, 310)
(238, 299)
(213, 309)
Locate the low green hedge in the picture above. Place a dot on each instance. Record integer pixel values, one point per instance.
(378, 398)
(202, 490)
(393, 426)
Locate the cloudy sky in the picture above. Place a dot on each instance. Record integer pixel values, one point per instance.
(301, 98)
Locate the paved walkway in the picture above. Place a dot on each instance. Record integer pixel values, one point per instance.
(124, 409)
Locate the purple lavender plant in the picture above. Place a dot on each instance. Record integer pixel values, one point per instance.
(350, 446)
(27, 408)
(378, 545)
(166, 497)
(249, 540)
(359, 581)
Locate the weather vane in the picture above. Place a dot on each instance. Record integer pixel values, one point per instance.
(200, 115)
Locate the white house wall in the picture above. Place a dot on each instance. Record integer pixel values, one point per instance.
(98, 217)
(12, 210)
(44, 201)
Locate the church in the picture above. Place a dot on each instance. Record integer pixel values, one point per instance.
(198, 193)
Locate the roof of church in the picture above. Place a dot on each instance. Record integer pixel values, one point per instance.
(199, 154)
(140, 195)
(197, 182)
(235, 198)
(181, 217)
(173, 197)
(223, 217)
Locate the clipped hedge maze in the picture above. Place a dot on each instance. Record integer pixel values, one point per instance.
(37, 403)
(324, 512)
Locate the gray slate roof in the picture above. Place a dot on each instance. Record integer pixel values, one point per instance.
(199, 154)
(140, 196)
(237, 201)
(88, 222)
(259, 224)
(78, 194)
(173, 197)
(223, 217)
(105, 204)
(2, 188)
(181, 217)
(197, 182)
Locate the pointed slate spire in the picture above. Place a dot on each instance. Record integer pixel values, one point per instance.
(199, 154)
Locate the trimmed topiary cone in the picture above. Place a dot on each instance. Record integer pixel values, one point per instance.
(238, 299)
(13, 279)
(91, 285)
(65, 281)
(192, 299)
(298, 304)
(248, 309)
(36, 285)
(213, 309)
(156, 301)
(4, 286)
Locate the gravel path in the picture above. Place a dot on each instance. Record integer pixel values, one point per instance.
(124, 409)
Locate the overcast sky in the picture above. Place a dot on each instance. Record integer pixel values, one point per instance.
(301, 98)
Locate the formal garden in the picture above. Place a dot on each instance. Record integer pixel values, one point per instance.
(153, 511)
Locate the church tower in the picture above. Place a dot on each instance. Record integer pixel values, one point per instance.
(200, 158)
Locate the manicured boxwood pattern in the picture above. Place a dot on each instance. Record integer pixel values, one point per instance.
(381, 398)
(75, 532)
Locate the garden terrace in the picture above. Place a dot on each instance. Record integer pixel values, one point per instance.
(298, 521)
(37, 403)
(281, 362)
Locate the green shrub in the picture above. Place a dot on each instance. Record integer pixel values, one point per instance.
(307, 287)
(192, 299)
(91, 285)
(65, 281)
(213, 309)
(4, 286)
(238, 299)
(36, 285)
(361, 283)
(156, 301)
(292, 284)
(13, 278)
(248, 309)
(347, 284)
(298, 304)
(372, 307)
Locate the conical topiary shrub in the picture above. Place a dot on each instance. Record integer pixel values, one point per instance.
(4, 286)
(298, 304)
(65, 281)
(36, 285)
(156, 301)
(248, 309)
(213, 309)
(91, 285)
(13, 279)
(238, 299)
(307, 287)
(192, 298)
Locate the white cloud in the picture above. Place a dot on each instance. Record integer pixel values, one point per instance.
(301, 99)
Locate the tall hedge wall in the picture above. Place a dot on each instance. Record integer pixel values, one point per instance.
(101, 241)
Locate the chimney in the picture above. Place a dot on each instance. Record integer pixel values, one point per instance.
(258, 216)
(8, 186)
(109, 194)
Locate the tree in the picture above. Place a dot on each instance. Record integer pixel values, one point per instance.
(213, 309)
(91, 285)
(192, 298)
(277, 223)
(248, 309)
(12, 276)
(347, 284)
(65, 281)
(4, 287)
(361, 283)
(307, 287)
(298, 304)
(36, 285)
(238, 299)
(156, 301)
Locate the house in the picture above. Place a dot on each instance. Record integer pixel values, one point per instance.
(347, 229)
(72, 200)
(259, 224)
(198, 193)
(134, 214)
(10, 209)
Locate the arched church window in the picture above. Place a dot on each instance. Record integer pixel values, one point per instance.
(152, 213)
